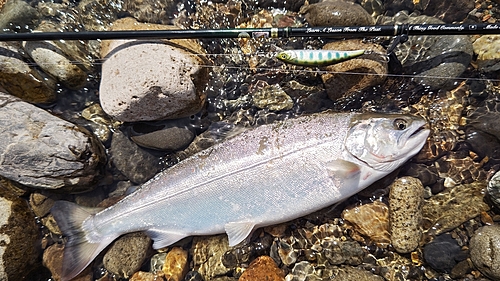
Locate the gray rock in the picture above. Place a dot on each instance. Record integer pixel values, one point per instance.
(485, 251)
(17, 13)
(405, 213)
(54, 61)
(163, 84)
(443, 253)
(433, 60)
(18, 237)
(127, 254)
(42, 151)
(132, 161)
(336, 13)
(169, 139)
(207, 255)
(22, 81)
(494, 189)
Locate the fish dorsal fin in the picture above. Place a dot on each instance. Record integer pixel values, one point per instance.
(163, 238)
(238, 231)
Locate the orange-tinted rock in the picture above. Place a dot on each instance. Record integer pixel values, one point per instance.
(263, 268)
(145, 276)
(175, 267)
(371, 220)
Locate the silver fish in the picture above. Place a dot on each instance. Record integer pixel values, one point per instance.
(264, 176)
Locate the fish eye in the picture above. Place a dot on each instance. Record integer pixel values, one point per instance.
(400, 124)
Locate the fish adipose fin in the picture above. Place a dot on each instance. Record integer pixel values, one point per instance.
(238, 231)
(163, 238)
(78, 251)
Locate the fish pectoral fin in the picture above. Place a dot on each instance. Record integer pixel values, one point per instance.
(238, 231)
(342, 169)
(163, 238)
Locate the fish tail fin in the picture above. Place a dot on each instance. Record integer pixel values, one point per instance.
(78, 251)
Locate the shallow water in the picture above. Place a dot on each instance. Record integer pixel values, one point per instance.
(241, 68)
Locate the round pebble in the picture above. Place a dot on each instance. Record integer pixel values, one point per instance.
(127, 254)
(485, 251)
(336, 13)
(443, 253)
(405, 213)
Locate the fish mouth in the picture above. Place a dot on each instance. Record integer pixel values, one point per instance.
(414, 139)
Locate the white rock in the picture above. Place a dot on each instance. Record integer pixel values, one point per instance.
(143, 81)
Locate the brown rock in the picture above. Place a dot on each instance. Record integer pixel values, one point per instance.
(176, 264)
(367, 70)
(371, 220)
(53, 258)
(146, 276)
(263, 268)
(127, 254)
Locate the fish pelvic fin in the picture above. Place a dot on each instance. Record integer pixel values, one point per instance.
(78, 251)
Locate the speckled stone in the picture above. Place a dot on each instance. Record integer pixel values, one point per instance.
(405, 213)
(127, 254)
(370, 220)
(336, 13)
(176, 264)
(485, 251)
(375, 65)
(262, 268)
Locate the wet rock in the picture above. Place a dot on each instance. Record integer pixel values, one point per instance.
(101, 123)
(22, 81)
(336, 13)
(454, 206)
(193, 276)
(373, 7)
(494, 189)
(483, 144)
(18, 237)
(144, 165)
(127, 254)
(349, 273)
(150, 10)
(17, 13)
(54, 61)
(145, 276)
(273, 98)
(348, 252)
(169, 139)
(176, 264)
(207, 255)
(434, 60)
(443, 253)
(262, 268)
(487, 48)
(157, 262)
(166, 82)
(485, 250)
(338, 83)
(371, 220)
(405, 213)
(43, 151)
(40, 204)
(53, 259)
(449, 12)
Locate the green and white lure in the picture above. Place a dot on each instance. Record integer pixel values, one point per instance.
(316, 57)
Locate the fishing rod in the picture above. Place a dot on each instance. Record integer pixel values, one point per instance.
(281, 32)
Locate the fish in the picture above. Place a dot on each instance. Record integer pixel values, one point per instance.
(316, 57)
(262, 176)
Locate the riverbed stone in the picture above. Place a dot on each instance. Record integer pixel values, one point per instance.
(21, 80)
(166, 80)
(18, 237)
(43, 151)
(207, 255)
(127, 254)
(16, 12)
(176, 264)
(336, 13)
(168, 139)
(405, 213)
(262, 268)
(368, 70)
(54, 61)
(485, 250)
(487, 48)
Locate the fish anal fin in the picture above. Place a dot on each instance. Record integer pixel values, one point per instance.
(342, 168)
(238, 231)
(163, 238)
(78, 250)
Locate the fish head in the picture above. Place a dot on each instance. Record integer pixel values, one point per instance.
(286, 56)
(385, 141)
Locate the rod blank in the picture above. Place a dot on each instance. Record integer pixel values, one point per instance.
(330, 32)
